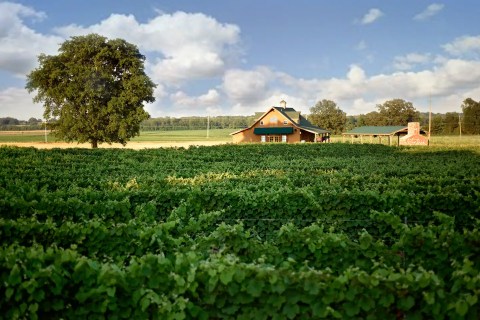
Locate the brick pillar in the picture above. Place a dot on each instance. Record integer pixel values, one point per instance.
(413, 128)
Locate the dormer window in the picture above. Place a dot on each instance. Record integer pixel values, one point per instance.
(261, 123)
(285, 122)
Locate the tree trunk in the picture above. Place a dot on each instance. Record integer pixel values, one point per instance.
(94, 144)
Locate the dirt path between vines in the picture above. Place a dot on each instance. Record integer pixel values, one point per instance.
(130, 145)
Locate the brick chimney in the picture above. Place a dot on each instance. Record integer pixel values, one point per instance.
(283, 104)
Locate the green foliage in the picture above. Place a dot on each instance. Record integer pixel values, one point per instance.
(452, 123)
(240, 232)
(94, 89)
(396, 112)
(471, 116)
(327, 115)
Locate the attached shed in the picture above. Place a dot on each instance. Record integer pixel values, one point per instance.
(371, 132)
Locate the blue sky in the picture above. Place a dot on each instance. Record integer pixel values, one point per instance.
(238, 57)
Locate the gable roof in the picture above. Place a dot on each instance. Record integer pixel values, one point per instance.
(291, 114)
(377, 130)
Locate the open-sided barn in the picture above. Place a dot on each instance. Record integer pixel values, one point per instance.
(388, 132)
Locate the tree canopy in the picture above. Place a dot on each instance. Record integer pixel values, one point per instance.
(93, 90)
(327, 115)
(471, 116)
(397, 112)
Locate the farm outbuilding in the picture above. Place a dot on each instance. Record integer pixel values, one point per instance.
(280, 124)
(368, 133)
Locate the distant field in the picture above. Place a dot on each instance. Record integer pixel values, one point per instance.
(221, 135)
(26, 136)
(145, 136)
(185, 135)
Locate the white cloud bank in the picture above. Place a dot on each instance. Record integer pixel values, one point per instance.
(465, 45)
(411, 60)
(203, 48)
(187, 45)
(20, 45)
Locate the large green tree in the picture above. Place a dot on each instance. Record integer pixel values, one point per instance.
(327, 115)
(451, 123)
(397, 112)
(372, 119)
(471, 116)
(94, 90)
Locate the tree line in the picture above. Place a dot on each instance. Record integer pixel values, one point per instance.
(325, 114)
(194, 123)
(397, 112)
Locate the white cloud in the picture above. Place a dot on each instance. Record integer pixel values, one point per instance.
(20, 44)
(362, 45)
(17, 102)
(273, 99)
(371, 16)
(410, 60)
(246, 86)
(191, 45)
(429, 12)
(463, 46)
(356, 74)
(211, 98)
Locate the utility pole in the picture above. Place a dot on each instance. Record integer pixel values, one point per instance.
(460, 124)
(208, 127)
(429, 117)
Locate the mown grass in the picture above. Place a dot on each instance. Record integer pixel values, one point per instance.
(435, 141)
(145, 136)
(185, 135)
(26, 136)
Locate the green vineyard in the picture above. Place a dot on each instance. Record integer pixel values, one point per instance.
(271, 231)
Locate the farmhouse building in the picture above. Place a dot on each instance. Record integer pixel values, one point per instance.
(280, 124)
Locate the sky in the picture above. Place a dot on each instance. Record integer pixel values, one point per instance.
(215, 57)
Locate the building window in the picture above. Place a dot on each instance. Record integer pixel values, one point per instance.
(285, 122)
(263, 139)
(261, 123)
(273, 120)
(274, 138)
(284, 138)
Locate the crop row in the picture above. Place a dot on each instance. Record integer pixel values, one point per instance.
(56, 283)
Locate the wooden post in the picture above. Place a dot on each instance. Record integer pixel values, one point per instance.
(361, 138)
(389, 140)
(371, 139)
(380, 139)
(352, 138)
(343, 138)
